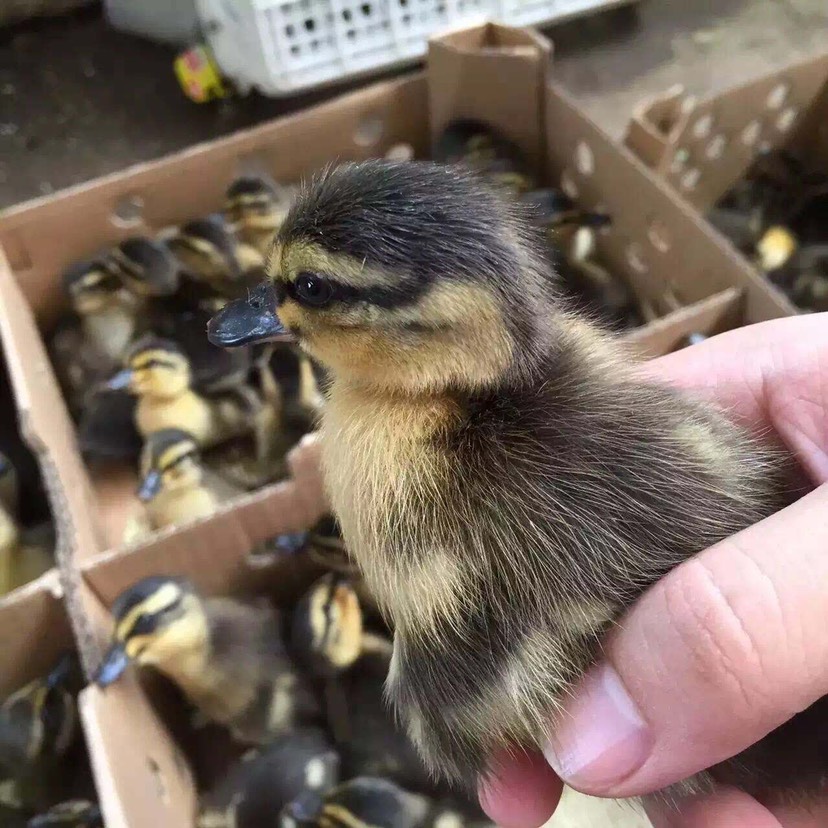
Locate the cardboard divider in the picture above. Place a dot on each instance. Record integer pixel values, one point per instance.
(715, 142)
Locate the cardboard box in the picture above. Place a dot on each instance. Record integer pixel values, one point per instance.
(701, 148)
(493, 73)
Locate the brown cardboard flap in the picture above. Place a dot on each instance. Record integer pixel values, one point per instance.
(654, 238)
(652, 123)
(43, 237)
(710, 316)
(716, 144)
(34, 632)
(143, 780)
(494, 74)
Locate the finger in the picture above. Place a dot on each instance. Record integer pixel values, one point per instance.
(721, 651)
(725, 809)
(520, 792)
(812, 816)
(768, 375)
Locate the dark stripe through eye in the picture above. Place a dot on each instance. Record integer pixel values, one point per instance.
(157, 363)
(179, 460)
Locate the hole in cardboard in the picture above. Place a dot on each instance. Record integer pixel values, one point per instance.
(680, 159)
(750, 134)
(691, 178)
(658, 235)
(716, 147)
(702, 127)
(158, 778)
(128, 211)
(368, 131)
(584, 159)
(778, 95)
(787, 119)
(636, 259)
(568, 184)
(688, 104)
(765, 147)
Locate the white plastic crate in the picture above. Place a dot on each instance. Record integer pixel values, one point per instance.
(285, 46)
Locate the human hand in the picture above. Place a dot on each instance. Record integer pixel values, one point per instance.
(727, 646)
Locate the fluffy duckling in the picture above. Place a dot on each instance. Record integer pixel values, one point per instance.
(87, 347)
(146, 267)
(264, 781)
(367, 802)
(76, 813)
(227, 656)
(485, 451)
(159, 373)
(255, 207)
(25, 553)
(211, 254)
(39, 738)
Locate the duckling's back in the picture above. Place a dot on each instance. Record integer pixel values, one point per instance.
(521, 522)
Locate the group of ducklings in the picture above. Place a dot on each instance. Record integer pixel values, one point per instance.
(300, 688)
(144, 383)
(777, 215)
(45, 777)
(569, 230)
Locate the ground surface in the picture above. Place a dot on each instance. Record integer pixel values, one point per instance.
(78, 100)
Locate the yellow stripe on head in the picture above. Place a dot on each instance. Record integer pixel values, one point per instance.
(175, 453)
(161, 599)
(342, 816)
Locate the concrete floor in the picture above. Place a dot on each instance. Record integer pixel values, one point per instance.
(78, 100)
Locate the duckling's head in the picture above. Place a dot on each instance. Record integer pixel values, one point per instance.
(327, 626)
(155, 367)
(76, 813)
(39, 720)
(91, 287)
(252, 201)
(411, 277)
(146, 267)
(170, 462)
(208, 249)
(776, 248)
(157, 621)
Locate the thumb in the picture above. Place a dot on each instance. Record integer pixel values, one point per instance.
(721, 651)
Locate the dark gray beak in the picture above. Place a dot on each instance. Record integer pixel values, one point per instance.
(120, 381)
(150, 486)
(113, 666)
(248, 321)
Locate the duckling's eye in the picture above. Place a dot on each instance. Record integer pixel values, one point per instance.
(312, 289)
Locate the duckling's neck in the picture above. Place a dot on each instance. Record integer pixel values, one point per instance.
(185, 410)
(181, 506)
(111, 329)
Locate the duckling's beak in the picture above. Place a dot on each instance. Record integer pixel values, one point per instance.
(150, 486)
(248, 321)
(120, 381)
(113, 665)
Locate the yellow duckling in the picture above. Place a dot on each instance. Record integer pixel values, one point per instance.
(255, 207)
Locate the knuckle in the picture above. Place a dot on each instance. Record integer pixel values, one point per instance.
(722, 654)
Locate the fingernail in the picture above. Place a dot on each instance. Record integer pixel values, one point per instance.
(601, 738)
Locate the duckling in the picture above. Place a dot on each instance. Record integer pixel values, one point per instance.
(40, 749)
(87, 347)
(211, 254)
(264, 781)
(25, 553)
(367, 801)
(484, 450)
(255, 206)
(76, 813)
(146, 267)
(158, 372)
(227, 656)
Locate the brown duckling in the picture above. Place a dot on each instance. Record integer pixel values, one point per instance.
(87, 347)
(254, 207)
(227, 656)
(159, 373)
(25, 552)
(210, 253)
(264, 781)
(40, 746)
(484, 450)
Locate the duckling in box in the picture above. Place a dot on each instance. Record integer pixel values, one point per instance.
(255, 207)
(481, 443)
(227, 656)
